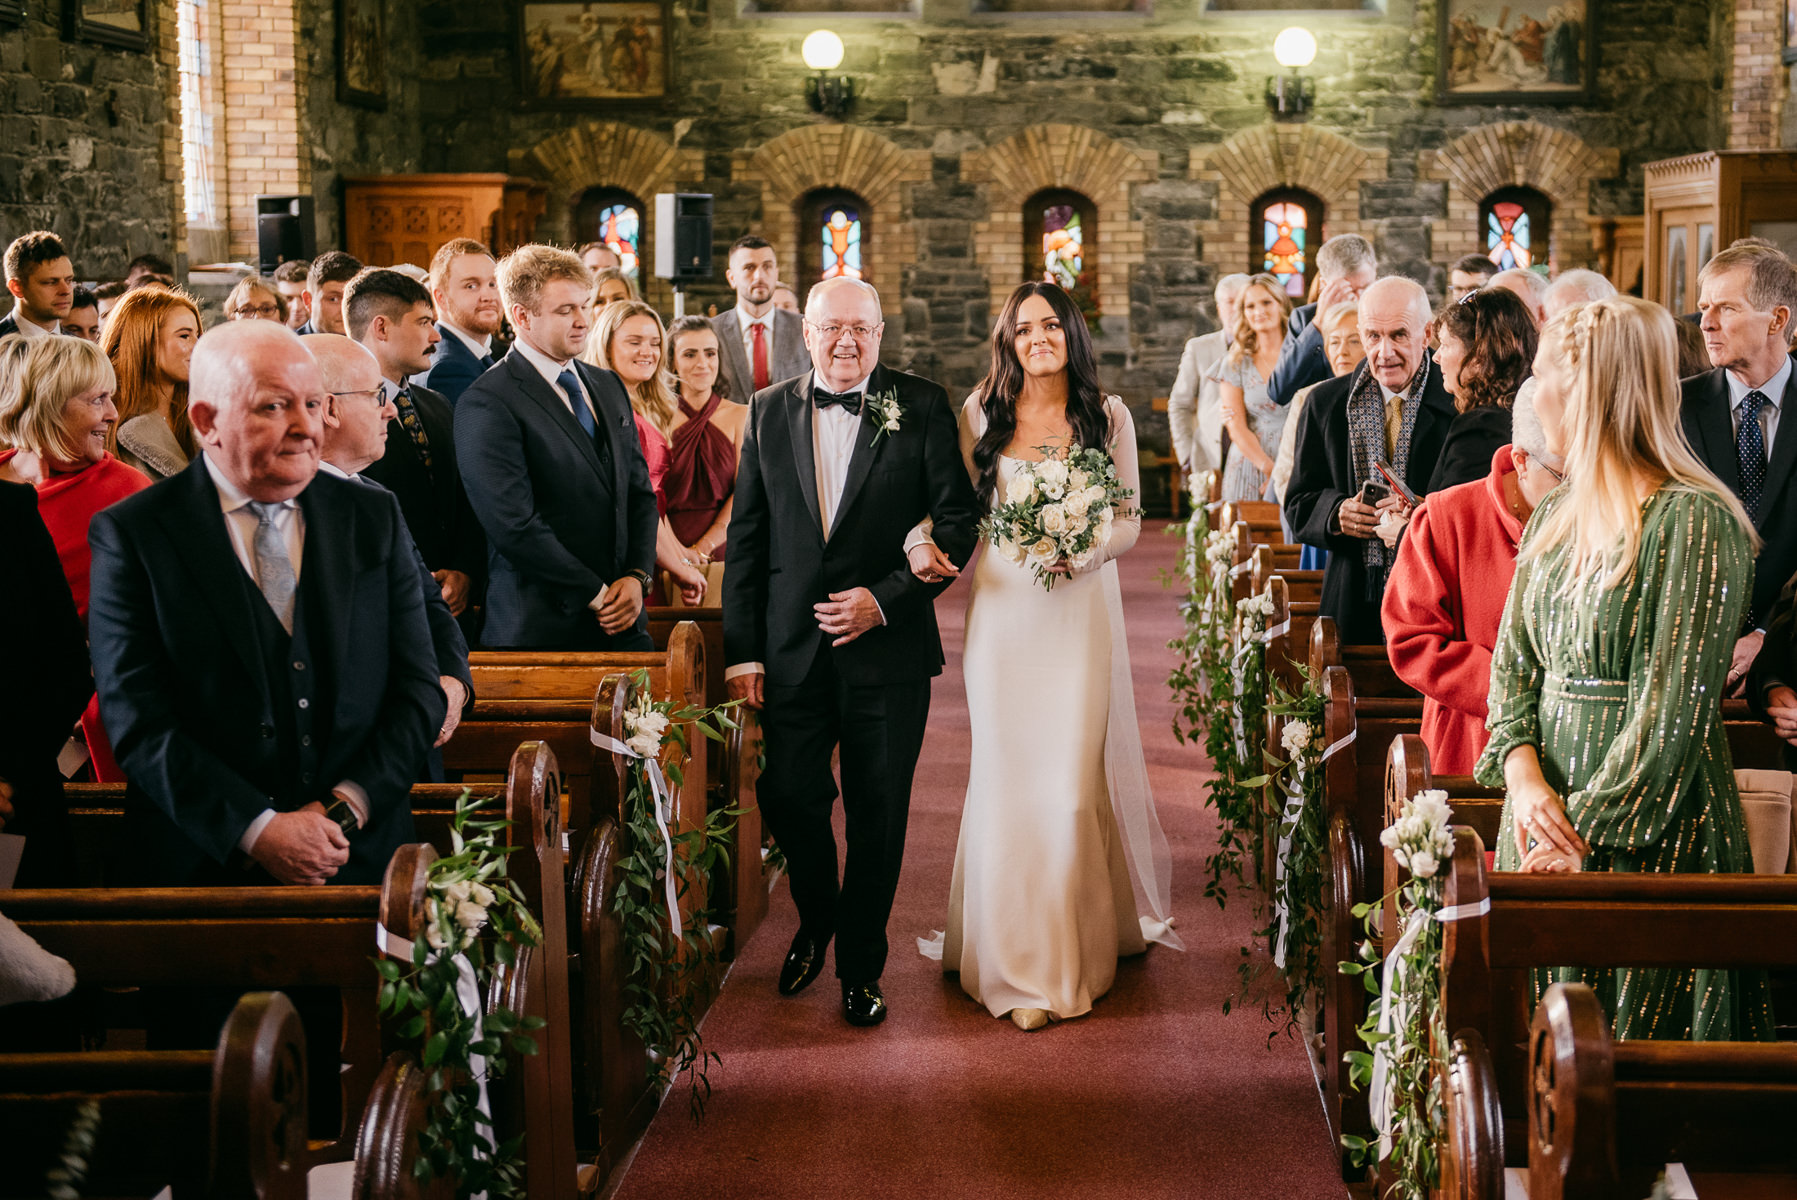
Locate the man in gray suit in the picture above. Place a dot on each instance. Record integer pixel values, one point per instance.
(759, 345)
(1192, 410)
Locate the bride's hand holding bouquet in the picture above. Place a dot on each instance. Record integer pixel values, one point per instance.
(1056, 515)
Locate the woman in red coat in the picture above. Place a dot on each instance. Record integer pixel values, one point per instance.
(1450, 581)
(58, 414)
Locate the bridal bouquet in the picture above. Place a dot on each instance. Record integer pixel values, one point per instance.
(1057, 509)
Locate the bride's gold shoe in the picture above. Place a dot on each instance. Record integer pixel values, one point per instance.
(1027, 1019)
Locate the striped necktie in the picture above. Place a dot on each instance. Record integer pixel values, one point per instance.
(409, 421)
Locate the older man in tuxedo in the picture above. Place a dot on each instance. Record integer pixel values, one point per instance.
(260, 645)
(1391, 409)
(556, 474)
(1735, 414)
(759, 343)
(827, 631)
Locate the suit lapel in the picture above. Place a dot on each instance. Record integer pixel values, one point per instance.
(730, 338)
(862, 460)
(1716, 431)
(1784, 448)
(532, 385)
(804, 455)
(196, 529)
(327, 572)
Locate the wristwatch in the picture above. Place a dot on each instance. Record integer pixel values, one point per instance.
(641, 576)
(342, 815)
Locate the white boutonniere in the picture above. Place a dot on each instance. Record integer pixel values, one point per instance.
(884, 408)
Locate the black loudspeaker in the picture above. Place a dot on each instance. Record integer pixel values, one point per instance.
(682, 236)
(285, 231)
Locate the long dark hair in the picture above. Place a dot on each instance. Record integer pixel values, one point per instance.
(999, 390)
(1499, 334)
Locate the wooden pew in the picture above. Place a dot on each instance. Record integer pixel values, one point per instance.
(1304, 587)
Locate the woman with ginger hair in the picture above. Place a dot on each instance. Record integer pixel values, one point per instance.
(150, 338)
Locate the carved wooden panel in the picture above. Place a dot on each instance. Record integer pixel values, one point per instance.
(396, 219)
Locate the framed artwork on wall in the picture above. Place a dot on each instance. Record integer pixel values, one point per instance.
(1516, 51)
(594, 55)
(121, 23)
(12, 12)
(362, 53)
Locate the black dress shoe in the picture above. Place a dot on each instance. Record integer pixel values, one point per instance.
(804, 962)
(863, 1003)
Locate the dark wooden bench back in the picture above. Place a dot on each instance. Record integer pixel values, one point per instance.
(1303, 587)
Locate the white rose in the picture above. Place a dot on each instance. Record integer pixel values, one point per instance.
(1054, 519)
(457, 892)
(433, 937)
(470, 916)
(1076, 503)
(1085, 558)
(1021, 489)
(480, 894)
(1423, 864)
(1044, 551)
(1077, 525)
(644, 745)
(1094, 495)
(892, 423)
(1052, 470)
(1013, 552)
(1077, 479)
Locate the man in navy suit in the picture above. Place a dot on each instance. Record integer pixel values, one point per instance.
(552, 465)
(42, 283)
(1348, 265)
(260, 645)
(465, 286)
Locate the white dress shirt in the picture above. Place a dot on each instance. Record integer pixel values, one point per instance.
(479, 347)
(29, 328)
(241, 523)
(744, 323)
(1774, 392)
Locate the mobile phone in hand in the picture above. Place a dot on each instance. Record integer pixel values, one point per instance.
(1394, 482)
(1371, 492)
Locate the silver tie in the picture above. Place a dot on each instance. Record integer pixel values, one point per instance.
(274, 570)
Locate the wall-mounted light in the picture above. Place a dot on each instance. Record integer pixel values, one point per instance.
(823, 53)
(1292, 95)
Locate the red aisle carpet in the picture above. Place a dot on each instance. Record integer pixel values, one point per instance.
(1155, 1094)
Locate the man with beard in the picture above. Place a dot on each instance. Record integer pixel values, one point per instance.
(759, 344)
(465, 286)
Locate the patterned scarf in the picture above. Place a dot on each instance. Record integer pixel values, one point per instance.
(1366, 438)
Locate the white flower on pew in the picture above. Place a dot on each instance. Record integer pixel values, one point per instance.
(1297, 737)
(1252, 613)
(1219, 548)
(646, 728)
(1419, 840)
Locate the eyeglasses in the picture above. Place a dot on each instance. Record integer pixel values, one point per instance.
(376, 394)
(1558, 477)
(261, 312)
(832, 330)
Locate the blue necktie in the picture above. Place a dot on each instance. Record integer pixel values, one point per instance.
(571, 385)
(1750, 452)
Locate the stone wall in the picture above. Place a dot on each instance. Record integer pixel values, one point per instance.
(82, 144)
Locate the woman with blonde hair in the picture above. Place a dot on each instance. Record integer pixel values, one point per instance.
(57, 414)
(1254, 422)
(610, 285)
(150, 338)
(628, 340)
(1606, 679)
(255, 299)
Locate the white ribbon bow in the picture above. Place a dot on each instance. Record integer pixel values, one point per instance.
(1288, 825)
(467, 994)
(1394, 1009)
(664, 812)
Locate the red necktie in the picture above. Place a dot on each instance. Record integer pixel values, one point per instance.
(758, 336)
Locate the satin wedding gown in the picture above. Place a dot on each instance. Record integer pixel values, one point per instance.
(1061, 865)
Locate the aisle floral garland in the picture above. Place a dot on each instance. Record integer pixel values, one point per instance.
(1404, 1068)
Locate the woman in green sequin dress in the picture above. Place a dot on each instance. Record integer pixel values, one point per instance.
(1606, 682)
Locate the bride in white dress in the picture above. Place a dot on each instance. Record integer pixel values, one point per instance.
(1061, 865)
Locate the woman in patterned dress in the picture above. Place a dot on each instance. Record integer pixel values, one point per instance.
(1605, 719)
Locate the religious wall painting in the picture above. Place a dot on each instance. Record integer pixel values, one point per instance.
(1516, 51)
(121, 23)
(1287, 227)
(1515, 228)
(1676, 268)
(362, 53)
(592, 55)
(1060, 245)
(833, 224)
(615, 217)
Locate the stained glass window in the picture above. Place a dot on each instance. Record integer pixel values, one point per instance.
(1063, 245)
(1514, 225)
(615, 217)
(1287, 228)
(841, 230)
(1060, 239)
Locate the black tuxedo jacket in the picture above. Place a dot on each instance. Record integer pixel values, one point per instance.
(1323, 476)
(184, 687)
(434, 502)
(781, 564)
(558, 533)
(1709, 425)
(454, 368)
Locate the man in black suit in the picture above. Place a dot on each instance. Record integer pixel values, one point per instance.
(390, 315)
(1733, 415)
(260, 645)
(550, 457)
(360, 425)
(465, 285)
(1392, 407)
(826, 630)
(42, 282)
(326, 279)
(1347, 265)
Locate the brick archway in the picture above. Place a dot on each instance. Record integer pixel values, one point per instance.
(1259, 160)
(1558, 164)
(608, 154)
(854, 159)
(1046, 157)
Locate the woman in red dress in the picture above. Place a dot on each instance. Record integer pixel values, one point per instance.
(58, 414)
(707, 439)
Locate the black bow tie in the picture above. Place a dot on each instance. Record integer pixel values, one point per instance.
(850, 401)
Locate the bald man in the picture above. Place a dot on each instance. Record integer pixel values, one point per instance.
(260, 645)
(1391, 409)
(1530, 286)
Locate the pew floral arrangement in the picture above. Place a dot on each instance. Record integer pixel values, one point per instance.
(476, 923)
(1059, 509)
(674, 957)
(1403, 1067)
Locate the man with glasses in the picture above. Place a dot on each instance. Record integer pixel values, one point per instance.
(826, 630)
(759, 343)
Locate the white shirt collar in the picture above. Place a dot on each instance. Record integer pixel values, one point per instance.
(29, 328)
(547, 367)
(331, 468)
(745, 320)
(230, 496)
(1773, 389)
(480, 347)
(817, 381)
